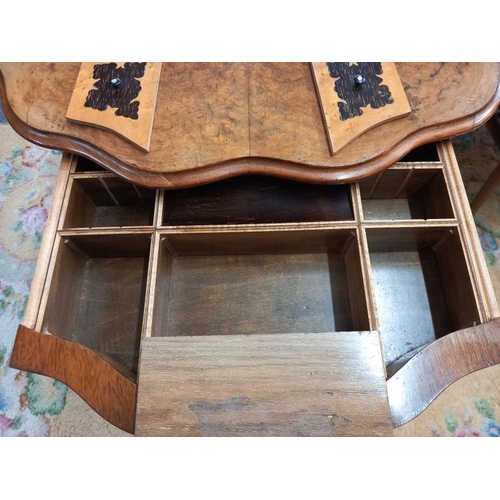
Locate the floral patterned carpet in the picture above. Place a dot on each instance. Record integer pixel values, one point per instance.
(32, 405)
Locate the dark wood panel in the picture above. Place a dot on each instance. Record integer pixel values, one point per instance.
(327, 384)
(429, 372)
(104, 388)
(257, 200)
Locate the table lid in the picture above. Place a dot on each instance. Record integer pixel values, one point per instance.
(217, 120)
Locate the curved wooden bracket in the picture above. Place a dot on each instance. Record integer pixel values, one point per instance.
(413, 388)
(105, 389)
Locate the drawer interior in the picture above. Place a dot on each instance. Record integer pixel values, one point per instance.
(258, 282)
(107, 201)
(406, 193)
(258, 255)
(97, 294)
(422, 288)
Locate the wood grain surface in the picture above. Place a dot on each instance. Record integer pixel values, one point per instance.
(327, 384)
(139, 130)
(341, 132)
(217, 120)
(104, 388)
(441, 363)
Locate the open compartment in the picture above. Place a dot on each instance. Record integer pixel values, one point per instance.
(86, 165)
(406, 193)
(97, 295)
(108, 201)
(422, 288)
(425, 153)
(259, 282)
(257, 200)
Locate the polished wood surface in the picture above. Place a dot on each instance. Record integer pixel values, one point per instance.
(325, 384)
(441, 363)
(341, 132)
(104, 388)
(138, 130)
(216, 120)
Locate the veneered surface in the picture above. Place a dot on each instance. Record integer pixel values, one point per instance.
(216, 120)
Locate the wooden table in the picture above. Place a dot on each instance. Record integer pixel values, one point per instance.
(258, 305)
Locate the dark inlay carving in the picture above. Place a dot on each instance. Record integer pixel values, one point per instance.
(359, 86)
(117, 87)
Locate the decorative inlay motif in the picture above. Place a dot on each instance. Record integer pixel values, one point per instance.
(359, 85)
(117, 87)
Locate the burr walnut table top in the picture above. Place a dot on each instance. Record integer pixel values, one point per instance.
(217, 120)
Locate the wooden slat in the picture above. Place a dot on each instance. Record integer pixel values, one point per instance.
(440, 364)
(340, 131)
(327, 384)
(481, 281)
(46, 248)
(104, 388)
(139, 130)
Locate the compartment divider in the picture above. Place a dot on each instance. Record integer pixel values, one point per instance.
(105, 230)
(158, 210)
(357, 206)
(292, 226)
(368, 287)
(94, 175)
(416, 165)
(481, 282)
(357, 278)
(149, 300)
(48, 246)
(106, 187)
(405, 182)
(411, 223)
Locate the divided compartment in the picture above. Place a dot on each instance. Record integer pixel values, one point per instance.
(403, 193)
(97, 295)
(108, 201)
(422, 288)
(259, 282)
(256, 199)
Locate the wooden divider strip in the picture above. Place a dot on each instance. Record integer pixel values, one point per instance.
(44, 256)
(483, 288)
